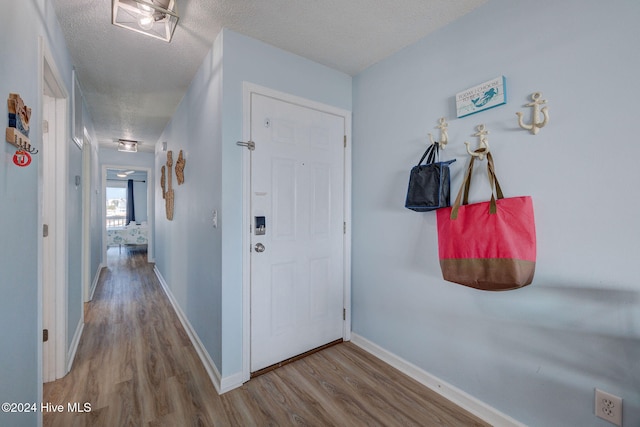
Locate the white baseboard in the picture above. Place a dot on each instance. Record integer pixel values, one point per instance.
(230, 382)
(222, 385)
(455, 395)
(73, 348)
(94, 284)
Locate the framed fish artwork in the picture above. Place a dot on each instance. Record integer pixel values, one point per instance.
(486, 95)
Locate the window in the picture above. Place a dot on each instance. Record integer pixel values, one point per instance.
(116, 208)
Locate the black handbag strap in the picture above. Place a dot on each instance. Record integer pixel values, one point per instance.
(463, 193)
(430, 154)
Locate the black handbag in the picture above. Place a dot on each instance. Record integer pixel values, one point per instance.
(429, 184)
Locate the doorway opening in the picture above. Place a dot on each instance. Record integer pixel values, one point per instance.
(127, 219)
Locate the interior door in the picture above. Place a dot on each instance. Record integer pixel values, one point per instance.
(48, 243)
(297, 236)
(54, 271)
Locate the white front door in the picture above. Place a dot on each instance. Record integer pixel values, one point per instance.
(297, 235)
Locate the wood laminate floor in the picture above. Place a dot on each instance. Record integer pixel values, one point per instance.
(135, 366)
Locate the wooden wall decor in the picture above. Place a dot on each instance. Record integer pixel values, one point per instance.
(163, 181)
(166, 180)
(180, 164)
(169, 196)
(17, 134)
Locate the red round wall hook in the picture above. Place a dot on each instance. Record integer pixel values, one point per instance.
(22, 158)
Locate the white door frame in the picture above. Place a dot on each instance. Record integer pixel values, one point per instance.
(53, 212)
(248, 89)
(150, 214)
(87, 151)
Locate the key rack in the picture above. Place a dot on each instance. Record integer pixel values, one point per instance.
(17, 133)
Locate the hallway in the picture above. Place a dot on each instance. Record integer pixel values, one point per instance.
(136, 366)
(134, 360)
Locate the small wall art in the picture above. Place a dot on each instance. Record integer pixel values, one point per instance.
(180, 164)
(486, 95)
(17, 133)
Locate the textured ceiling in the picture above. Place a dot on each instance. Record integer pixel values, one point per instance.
(132, 84)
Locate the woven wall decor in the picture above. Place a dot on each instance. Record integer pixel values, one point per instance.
(169, 196)
(180, 163)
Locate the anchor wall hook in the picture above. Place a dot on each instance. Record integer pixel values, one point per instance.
(444, 137)
(483, 143)
(536, 124)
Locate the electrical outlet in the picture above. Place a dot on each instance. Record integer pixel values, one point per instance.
(608, 407)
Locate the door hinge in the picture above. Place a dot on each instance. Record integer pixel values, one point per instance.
(45, 126)
(345, 141)
(45, 230)
(344, 314)
(45, 335)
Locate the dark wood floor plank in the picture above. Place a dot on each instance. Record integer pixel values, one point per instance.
(136, 366)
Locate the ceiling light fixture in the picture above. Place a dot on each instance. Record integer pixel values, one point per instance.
(154, 18)
(128, 145)
(146, 22)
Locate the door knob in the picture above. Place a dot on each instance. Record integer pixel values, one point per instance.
(259, 247)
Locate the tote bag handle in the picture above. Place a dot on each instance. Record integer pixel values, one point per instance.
(430, 154)
(463, 193)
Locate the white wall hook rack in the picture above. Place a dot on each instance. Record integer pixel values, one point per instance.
(536, 124)
(444, 137)
(483, 143)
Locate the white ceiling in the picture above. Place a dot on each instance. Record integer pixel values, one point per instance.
(132, 84)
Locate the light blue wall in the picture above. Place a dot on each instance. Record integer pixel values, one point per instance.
(96, 212)
(21, 25)
(94, 180)
(536, 353)
(188, 248)
(75, 297)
